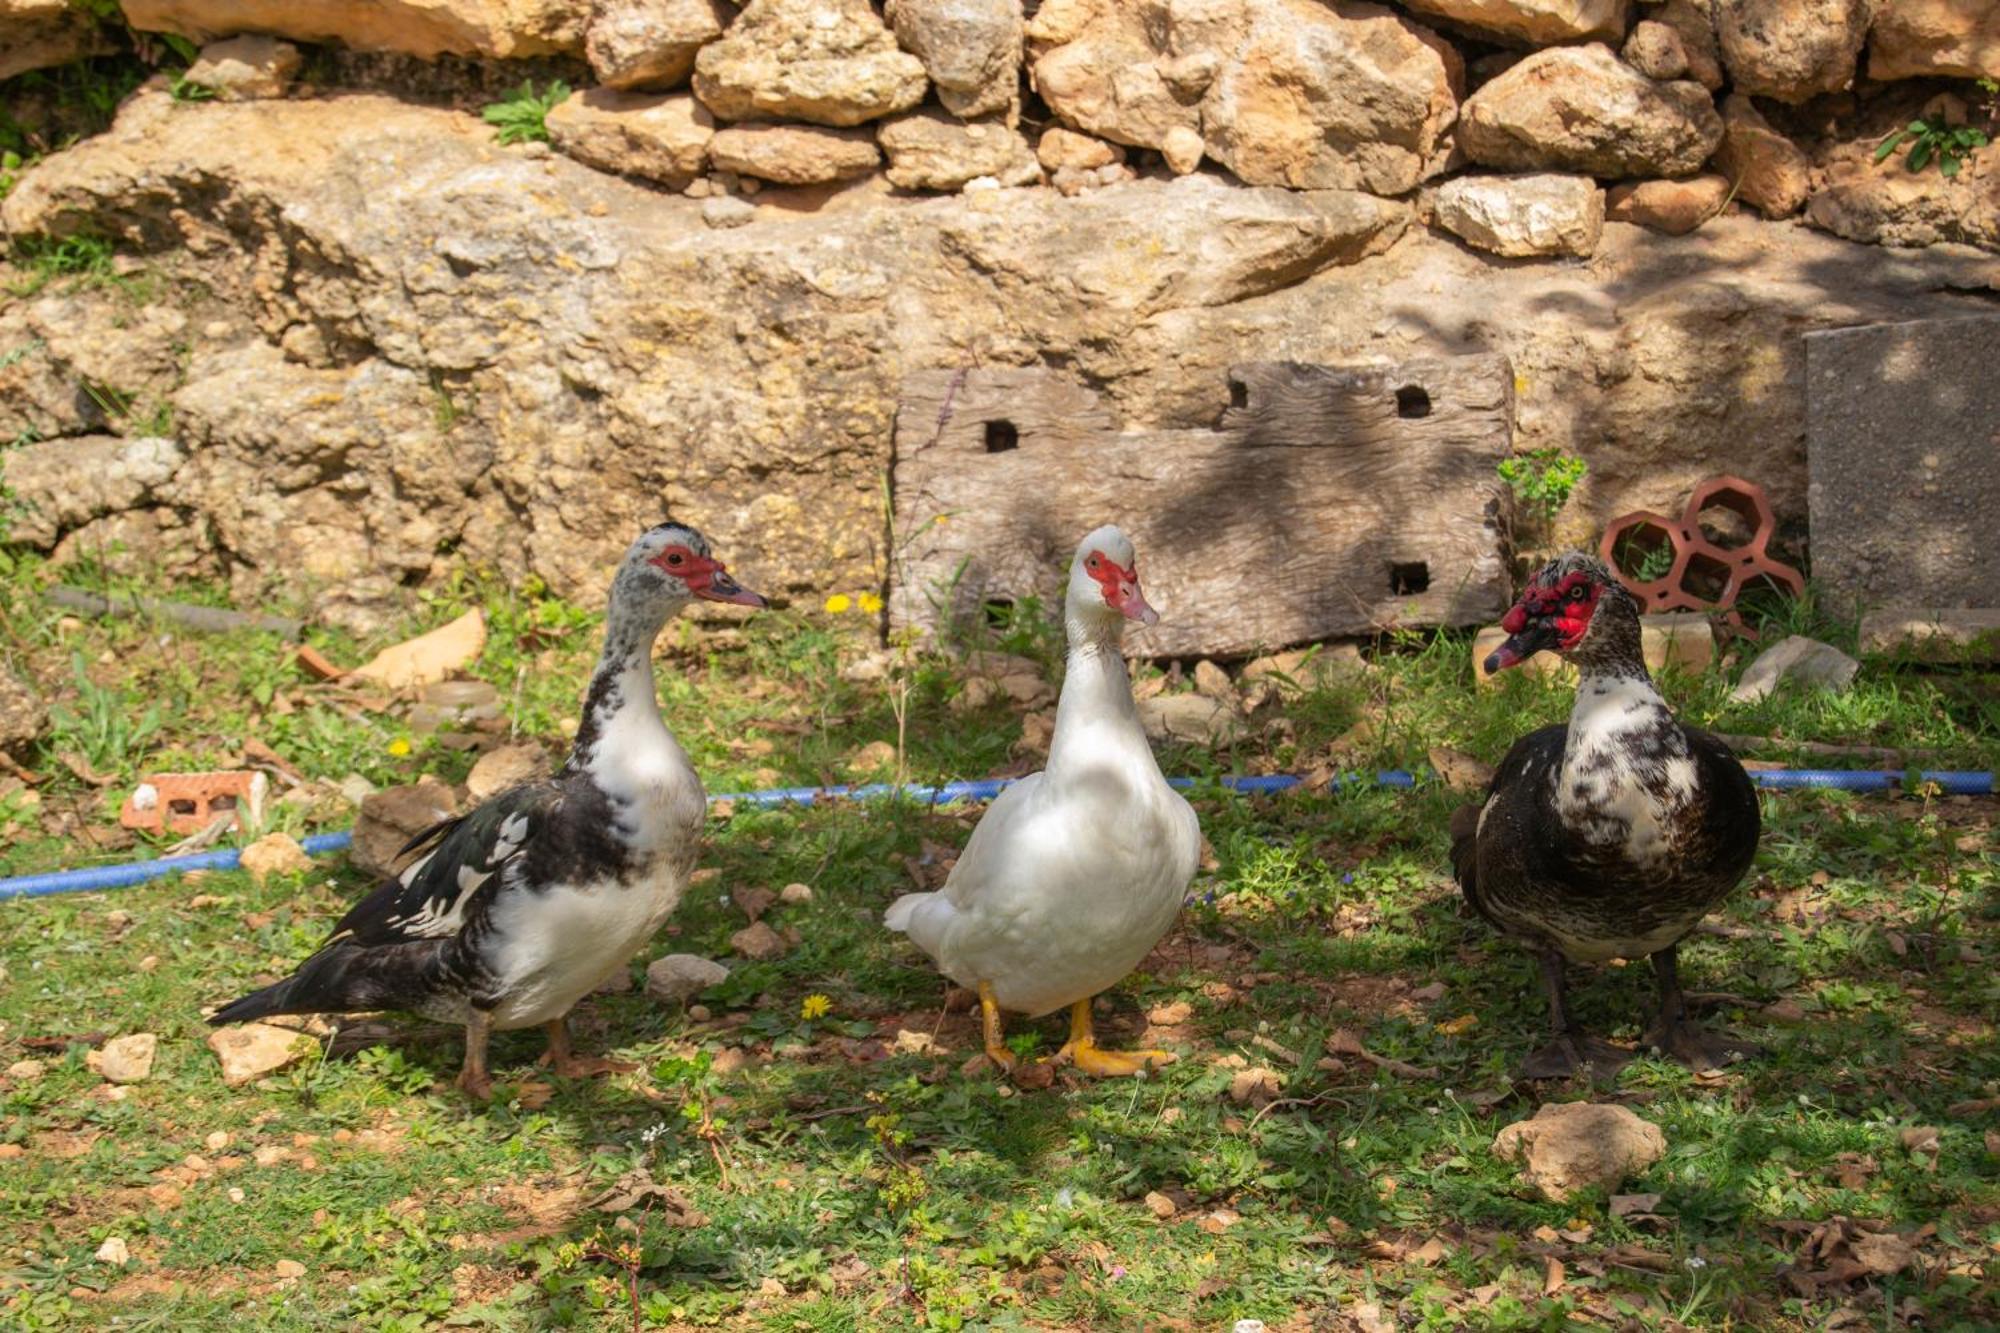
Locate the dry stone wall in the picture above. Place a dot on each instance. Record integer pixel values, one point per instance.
(381, 344)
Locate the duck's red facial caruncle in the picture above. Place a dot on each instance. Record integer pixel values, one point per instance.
(1121, 587)
(1555, 616)
(705, 578)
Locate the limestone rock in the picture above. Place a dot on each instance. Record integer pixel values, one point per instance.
(1769, 171)
(23, 715)
(659, 136)
(1350, 97)
(127, 1059)
(275, 854)
(1059, 148)
(650, 44)
(1655, 49)
(1535, 22)
(794, 154)
(1520, 216)
(970, 49)
(1574, 1146)
(727, 212)
(1796, 658)
(391, 817)
(58, 485)
(246, 68)
(35, 34)
(1580, 108)
(159, 544)
(1683, 639)
(1693, 23)
(1103, 76)
(1920, 38)
(1194, 718)
(1791, 50)
(930, 151)
(759, 943)
(679, 977)
(494, 29)
(1885, 203)
(251, 1050)
(505, 767)
(831, 62)
(1675, 207)
(114, 1251)
(1183, 149)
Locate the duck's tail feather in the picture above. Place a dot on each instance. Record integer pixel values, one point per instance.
(924, 917)
(345, 977)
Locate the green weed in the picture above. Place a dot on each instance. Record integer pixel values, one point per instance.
(522, 116)
(1947, 145)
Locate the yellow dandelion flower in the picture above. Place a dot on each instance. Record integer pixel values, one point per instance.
(870, 603)
(400, 746)
(839, 602)
(815, 1006)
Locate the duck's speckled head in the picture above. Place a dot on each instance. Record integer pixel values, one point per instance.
(1104, 577)
(670, 564)
(1575, 606)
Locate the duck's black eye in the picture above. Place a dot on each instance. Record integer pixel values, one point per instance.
(676, 559)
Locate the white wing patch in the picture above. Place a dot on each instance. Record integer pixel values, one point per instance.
(442, 913)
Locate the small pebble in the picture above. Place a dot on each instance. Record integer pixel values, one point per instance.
(699, 1013)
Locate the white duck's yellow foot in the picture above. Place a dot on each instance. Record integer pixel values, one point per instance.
(1082, 1051)
(990, 1030)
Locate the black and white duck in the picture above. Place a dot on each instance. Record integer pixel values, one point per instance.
(1076, 872)
(513, 912)
(1610, 837)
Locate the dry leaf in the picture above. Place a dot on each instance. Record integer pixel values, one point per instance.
(637, 1187)
(1552, 1276)
(1460, 771)
(428, 658)
(1430, 1252)
(80, 766)
(753, 903)
(1623, 1205)
(533, 1096)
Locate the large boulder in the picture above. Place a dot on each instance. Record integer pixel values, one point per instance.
(650, 43)
(1282, 92)
(971, 50)
(831, 62)
(1769, 171)
(35, 34)
(795, 154)
(1791, 50)
(58, 485)
(662, 137)
(492, 29)
(1519, 216)
(1581, 108)
(929, 151)
(1534, 22)
(1915, 39)
(1693, 22)
(1343, 97)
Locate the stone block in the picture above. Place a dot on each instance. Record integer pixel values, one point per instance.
(1903, 430)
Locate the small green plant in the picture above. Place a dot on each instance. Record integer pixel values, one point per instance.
(10, 171)
(1542, 480)
(1949, 144)
(523, 116)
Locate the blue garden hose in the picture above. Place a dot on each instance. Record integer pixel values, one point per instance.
(92, 878)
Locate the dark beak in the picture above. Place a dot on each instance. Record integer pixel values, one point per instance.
(721, 588)
(1520, 647)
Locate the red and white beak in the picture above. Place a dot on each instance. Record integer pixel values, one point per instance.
(715, 585)
(1132, 603)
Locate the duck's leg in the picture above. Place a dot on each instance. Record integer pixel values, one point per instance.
(1081, 1050)
(566, 1063)
(473, 1079)
(989, 1024)
(1671, 1032)
(1571, 1051)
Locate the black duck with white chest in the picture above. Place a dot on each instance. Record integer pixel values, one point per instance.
(512, 913)
(1612, 836)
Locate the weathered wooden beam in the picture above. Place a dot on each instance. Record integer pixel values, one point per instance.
(1329, 501)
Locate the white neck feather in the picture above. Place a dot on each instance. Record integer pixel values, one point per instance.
(1095, 717)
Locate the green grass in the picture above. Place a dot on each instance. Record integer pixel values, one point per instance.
(846, 1182)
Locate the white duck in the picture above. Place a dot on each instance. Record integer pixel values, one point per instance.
(1076, 872)
(521, 907)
